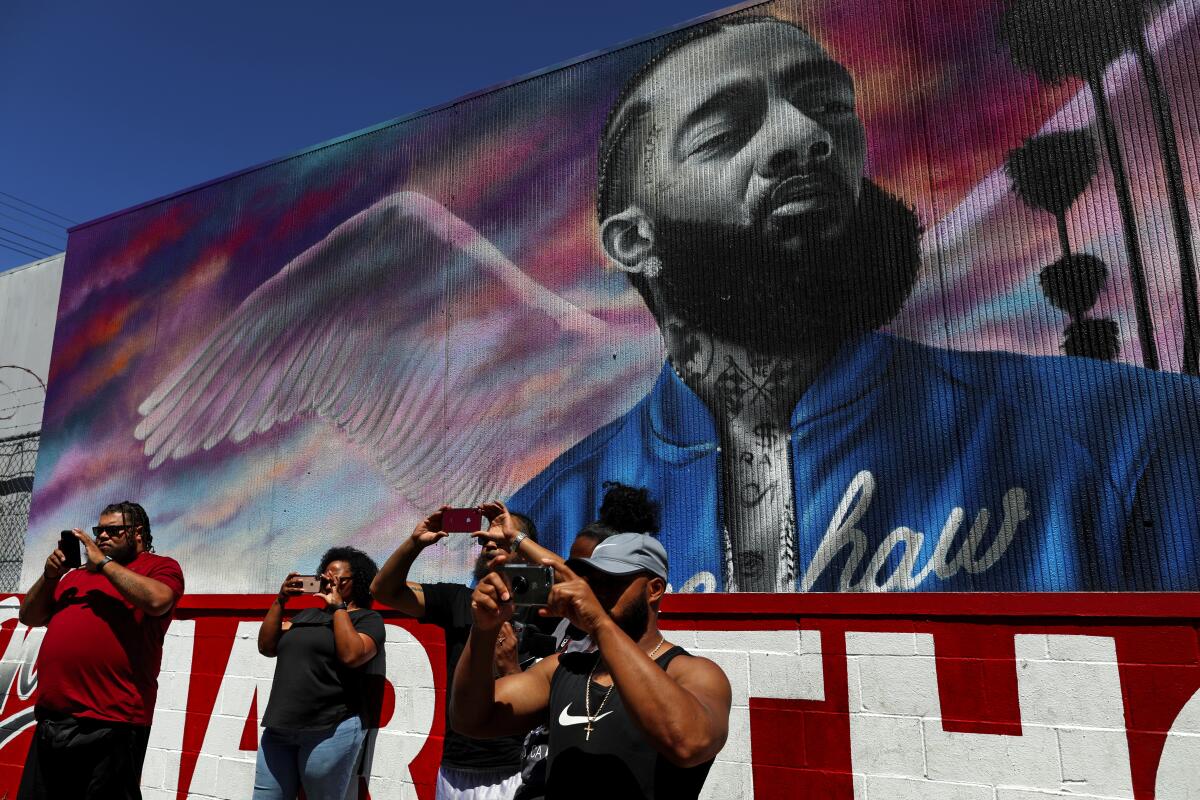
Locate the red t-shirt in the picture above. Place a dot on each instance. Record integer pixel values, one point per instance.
(100, 657)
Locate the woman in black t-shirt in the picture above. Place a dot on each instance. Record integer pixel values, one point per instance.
(320, 705)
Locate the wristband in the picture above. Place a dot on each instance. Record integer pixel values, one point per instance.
(103, 561)
(343, 606)
(516, 542)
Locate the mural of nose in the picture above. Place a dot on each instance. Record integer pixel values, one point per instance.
(786, 158)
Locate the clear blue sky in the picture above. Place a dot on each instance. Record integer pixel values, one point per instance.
(108, 104)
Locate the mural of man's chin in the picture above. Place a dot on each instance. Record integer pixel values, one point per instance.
(772, 294)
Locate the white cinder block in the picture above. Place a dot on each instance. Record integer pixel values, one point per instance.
(237, 695)
(244, 660)
(1072, 693)
(1031, 646)
(737, 744)
(154, 767)
(810, 642)
(177, 647)
(887, 745)
(684, 638)
(1096, 761)
(881, 644)
(1005, 793)
(783, 641)
(1029, 760)
(1091, 649)
(409, 658)
(166, 730)
(394, 752)
(728, 781)
(424, 702)
(883, 787)
(204, 780)
(787, 677)
(902, 685)
(172, 691)
(235, 772)
(382, 787)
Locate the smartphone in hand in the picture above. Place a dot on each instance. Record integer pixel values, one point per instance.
(69, 546)
(310, 584)
(529, 584)
(462, 520)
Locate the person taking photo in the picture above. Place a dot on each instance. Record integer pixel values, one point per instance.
(321, 706)
(99, 662)
(637, 718)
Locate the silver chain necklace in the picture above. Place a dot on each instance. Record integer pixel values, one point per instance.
(587, 692)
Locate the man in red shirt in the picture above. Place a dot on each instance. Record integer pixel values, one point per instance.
(99, 662)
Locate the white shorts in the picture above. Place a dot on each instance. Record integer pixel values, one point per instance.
(463, 784)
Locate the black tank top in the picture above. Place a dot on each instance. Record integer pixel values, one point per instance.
(616, 762)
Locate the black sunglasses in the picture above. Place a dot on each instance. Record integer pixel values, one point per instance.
(112, 531)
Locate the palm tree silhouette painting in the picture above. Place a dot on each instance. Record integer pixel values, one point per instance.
(1049, 172)
(1060, 39)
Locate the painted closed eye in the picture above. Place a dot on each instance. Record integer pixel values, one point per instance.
(834, 107)
(713, 143)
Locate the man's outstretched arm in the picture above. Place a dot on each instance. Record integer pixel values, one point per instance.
(391, 585)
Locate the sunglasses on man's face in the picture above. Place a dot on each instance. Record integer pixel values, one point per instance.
(111, 531)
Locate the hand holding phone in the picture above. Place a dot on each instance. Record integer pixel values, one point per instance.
(462, 520)
(528, 584)
(309, 584)
(69, 546)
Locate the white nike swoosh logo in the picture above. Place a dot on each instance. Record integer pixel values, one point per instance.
(567, 718)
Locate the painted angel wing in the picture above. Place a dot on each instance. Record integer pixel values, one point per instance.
(360, 329)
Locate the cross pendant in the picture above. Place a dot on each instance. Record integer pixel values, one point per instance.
(587, 732)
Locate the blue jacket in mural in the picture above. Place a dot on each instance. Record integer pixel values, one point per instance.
(920, 468)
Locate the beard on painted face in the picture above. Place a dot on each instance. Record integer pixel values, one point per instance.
(771, 288)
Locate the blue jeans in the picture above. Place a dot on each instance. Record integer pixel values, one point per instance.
(322, 761)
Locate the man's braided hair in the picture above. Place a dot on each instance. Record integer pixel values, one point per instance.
(616, 159)
(133, 514)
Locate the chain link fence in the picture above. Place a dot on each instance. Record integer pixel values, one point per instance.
(18, 455)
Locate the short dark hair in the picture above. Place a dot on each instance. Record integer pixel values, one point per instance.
(527, 525)
(362, 567)
(628, 509)
(616, 161)
(133, 514)
(597, 531)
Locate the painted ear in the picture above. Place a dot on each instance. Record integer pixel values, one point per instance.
(628, 239)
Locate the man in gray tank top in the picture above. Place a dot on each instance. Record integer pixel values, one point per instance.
(637, 718)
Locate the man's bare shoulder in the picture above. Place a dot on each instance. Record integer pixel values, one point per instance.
(689, 666)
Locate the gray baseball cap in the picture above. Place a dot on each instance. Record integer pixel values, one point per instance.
(626, 554)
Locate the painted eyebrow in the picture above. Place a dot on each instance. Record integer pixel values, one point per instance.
(735, 93)
(822, 69)
(730, 95)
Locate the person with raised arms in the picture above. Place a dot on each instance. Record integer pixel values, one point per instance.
(639, 717)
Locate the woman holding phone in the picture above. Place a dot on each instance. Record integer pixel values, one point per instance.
(316, 719)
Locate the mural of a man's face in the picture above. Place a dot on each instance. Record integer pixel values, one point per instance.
(741, 179)
(754, 126)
